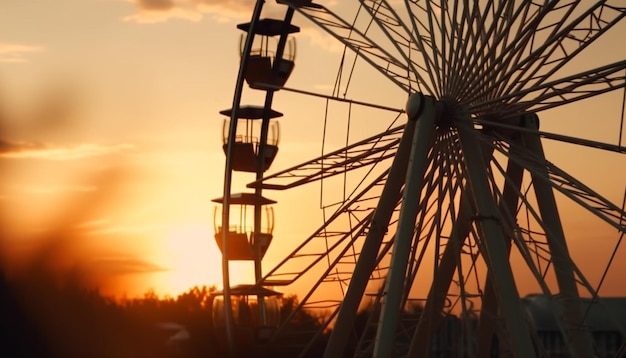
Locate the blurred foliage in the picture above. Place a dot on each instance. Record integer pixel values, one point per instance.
(44, 316)
(50, 305)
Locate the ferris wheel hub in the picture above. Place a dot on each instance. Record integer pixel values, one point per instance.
(447, 110)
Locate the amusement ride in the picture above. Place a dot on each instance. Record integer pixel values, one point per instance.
(452, 203)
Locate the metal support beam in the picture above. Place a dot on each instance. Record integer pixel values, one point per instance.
(260, 164)
(366, 263)
(493, 243)
(394, 290)
(487, 322)
(579, 338)
(228, 172)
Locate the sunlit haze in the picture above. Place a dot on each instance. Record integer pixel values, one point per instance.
(111, 140)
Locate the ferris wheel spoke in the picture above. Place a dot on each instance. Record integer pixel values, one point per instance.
(434, 28)
(398, 34)
(450, 260)
(361, 44)
(508, 23)
(359, 208)
(425, 29)
(587, 198)
(421, 42)
(457, 49)
(560, 92)
(572, 188)
(471, 61)
(445, 39)
(432, 216)
(441, 281)
(308, 253)
(366, 152)
(474, 45)
(453, 31)
(563, 45)
(335, 274)
(485, 70)
(555, 136)
(543, 22)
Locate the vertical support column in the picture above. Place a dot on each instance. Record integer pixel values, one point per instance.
(493, 242)
(394, 287)
(579, 338)
(487, 322)
(431, 317)
(367, 259)
(260, 165)
(258, 212)
(228, 172)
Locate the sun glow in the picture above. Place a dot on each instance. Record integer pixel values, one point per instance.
(190, 257)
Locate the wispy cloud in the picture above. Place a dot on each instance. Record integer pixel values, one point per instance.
(124, 229)
(17, 53)
(120, 265)
(151, 11)
(59, 189)
(8, 146)
(37, 150)
(156, 4)
(93, 224)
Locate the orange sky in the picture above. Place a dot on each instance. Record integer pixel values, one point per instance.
(110, 135)
(110, 129)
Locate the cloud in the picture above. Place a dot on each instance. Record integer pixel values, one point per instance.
(95, 223)
(152, 11)
(16, 53)
(124, 229)
(156, 4)
(59, 189)
(121, 265)
(37, 150)
(7, 146)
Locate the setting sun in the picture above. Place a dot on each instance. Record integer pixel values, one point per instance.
(190, 258)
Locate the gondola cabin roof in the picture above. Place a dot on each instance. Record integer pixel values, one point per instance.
(251, 290)
(270, 27)
(300, 3)
(246, 199)
(252, 112)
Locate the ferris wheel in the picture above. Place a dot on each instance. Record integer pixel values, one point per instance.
(448, 208)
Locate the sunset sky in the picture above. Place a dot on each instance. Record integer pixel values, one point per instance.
(110, 129)
(110, 136)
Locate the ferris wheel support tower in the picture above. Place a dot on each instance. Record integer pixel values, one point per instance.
(465, 182)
